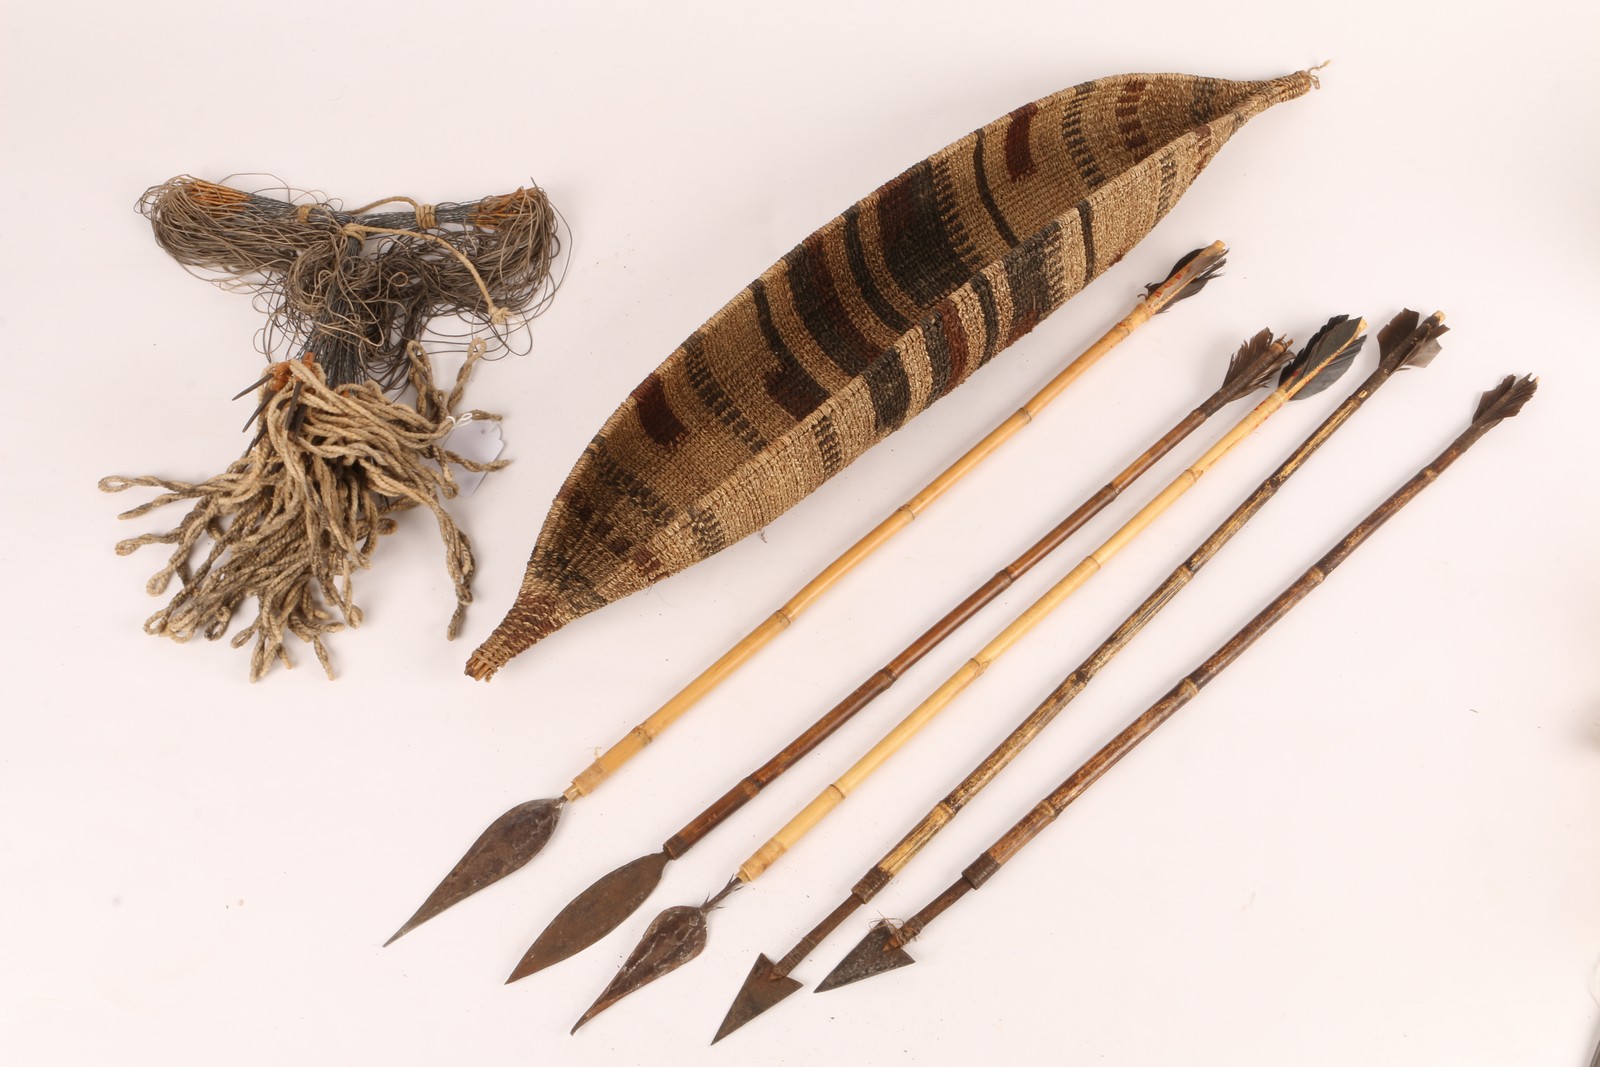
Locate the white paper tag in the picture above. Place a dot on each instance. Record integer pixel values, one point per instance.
(477, 440)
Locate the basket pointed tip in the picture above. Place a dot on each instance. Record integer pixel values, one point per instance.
(763, 987)
(593, 913)
(540, 610)
(509, 842)
(874, 954)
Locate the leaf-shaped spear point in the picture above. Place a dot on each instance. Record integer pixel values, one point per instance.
(509, 842)
(675, 937)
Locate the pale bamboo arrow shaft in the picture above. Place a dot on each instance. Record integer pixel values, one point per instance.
(641, 735)
(875, 757)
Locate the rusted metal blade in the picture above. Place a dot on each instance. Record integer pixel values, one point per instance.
(593, 913)
(510, 841)
(873, 954)
(676, 936)
(764, 987)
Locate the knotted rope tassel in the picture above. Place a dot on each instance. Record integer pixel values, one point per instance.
(291, 520)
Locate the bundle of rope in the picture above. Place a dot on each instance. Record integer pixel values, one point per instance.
(336, 454)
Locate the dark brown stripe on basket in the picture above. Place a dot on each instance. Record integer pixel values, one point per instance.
(1128, 124)
(1019, 151)
(715, 398)
(890, 389)
(655, 414)
(816, 301)
(859, 270)
(790, 386)
(828, 448)
(921, 258)
(986, 195)
(1077, 142)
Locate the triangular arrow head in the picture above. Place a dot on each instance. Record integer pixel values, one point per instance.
(873, 954)
(761, 990)
(510, 841)
(593, 914)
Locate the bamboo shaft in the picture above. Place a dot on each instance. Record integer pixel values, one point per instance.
(641, 735)
(1051, 807)
(831, 797)
(879, 682)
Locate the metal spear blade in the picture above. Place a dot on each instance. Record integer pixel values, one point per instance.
(873, 954)
(510, 841)
(761, 990)
(675, 937)
(593, 913)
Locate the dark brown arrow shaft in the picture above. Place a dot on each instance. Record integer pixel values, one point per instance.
(1051, 807)
(880, 681)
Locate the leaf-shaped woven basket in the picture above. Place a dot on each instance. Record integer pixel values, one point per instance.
(872, 318)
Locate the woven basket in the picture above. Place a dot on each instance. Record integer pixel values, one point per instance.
(872, 318)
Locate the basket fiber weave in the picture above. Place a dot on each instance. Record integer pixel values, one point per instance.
(864, 324)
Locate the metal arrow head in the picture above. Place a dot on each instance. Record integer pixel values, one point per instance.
(593, 913)
(764, 987)
(675, 937)
(874, 954)
(510, 841)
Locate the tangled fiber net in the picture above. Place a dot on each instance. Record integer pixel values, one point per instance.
(355, 288)
(335, 458)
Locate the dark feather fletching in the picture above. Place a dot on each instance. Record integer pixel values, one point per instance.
(1198, 282)
(1397, 333)
(1254, 364)
(1410, 341)
(1325, 357)
(1423, 354)
(1505, 399)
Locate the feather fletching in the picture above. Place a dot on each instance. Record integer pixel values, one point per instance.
(1505, 399)
(1254, 364)
(1197, 283)
(1427, 347)
(1325, 358)
(1394, 336)
(1410, 341)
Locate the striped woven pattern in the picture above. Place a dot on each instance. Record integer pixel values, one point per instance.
(861, 326)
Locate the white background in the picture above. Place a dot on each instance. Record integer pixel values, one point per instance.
(1375, 840)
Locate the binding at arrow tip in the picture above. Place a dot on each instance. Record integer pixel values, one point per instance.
(873, 955)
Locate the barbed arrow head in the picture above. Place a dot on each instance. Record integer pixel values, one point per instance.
(763, 988)
(874, 954)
